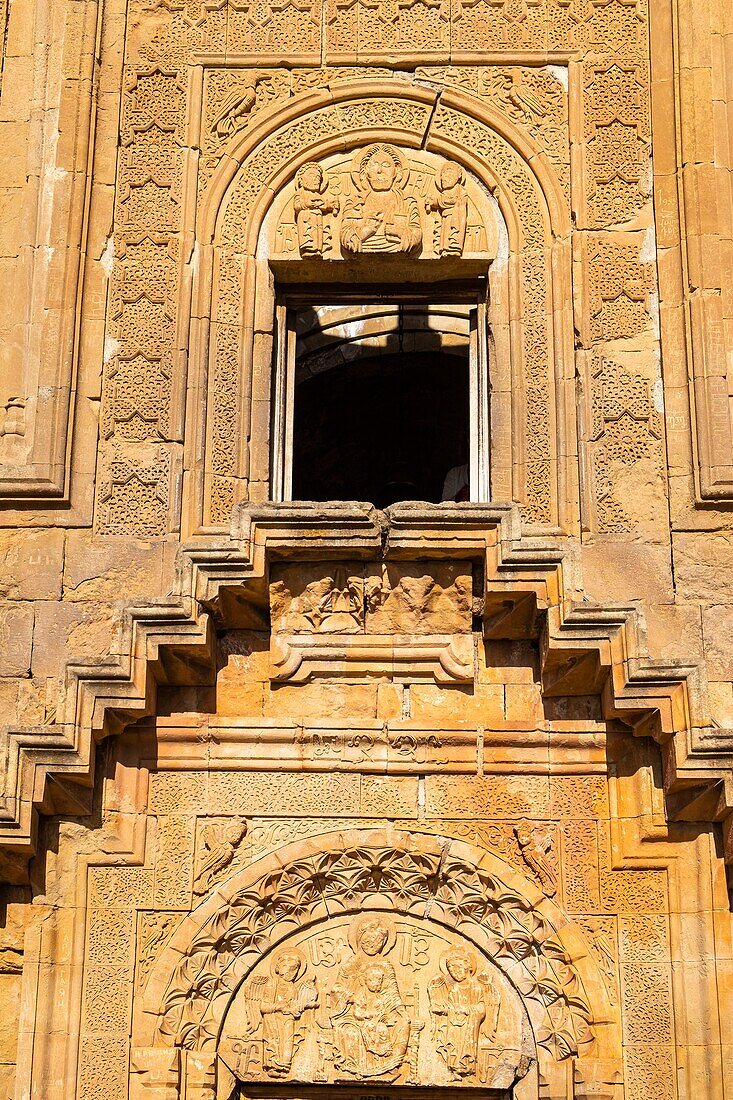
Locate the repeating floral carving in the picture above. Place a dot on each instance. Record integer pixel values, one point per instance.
(620, 285)
(457, 893)
(138, 389)
(133, 494)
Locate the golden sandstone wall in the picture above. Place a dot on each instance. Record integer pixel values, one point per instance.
(311, 797)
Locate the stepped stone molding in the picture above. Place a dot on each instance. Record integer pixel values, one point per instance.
(532, 589)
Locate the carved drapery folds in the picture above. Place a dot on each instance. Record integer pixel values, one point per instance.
(380, 999)
(382, 200)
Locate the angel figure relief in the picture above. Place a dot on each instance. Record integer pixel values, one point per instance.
(464, 1007)
(279, 1009)
(220, 840)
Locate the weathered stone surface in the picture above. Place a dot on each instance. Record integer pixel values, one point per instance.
(432, 798)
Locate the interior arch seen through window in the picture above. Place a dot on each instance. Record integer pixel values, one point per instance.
(379, 403)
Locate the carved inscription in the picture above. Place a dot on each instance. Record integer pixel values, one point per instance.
(379, 999)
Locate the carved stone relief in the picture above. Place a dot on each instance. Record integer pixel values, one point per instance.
(404, 619)
(383, 199)
(382, 999)
(219, 841)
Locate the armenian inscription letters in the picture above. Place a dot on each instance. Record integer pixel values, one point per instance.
(371, 998)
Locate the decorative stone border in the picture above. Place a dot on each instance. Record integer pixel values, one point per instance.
(532, 589)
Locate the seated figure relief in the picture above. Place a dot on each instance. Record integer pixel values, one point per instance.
(370, 1028)
(381, 216)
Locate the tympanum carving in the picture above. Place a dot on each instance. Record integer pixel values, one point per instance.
(381, 998)
(383, 200)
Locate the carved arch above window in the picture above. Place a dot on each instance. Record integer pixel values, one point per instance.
(529, 278)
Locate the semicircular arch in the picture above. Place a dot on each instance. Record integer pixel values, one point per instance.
(531, 296)
(431, 879)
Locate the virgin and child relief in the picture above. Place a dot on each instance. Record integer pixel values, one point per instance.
(377, 999)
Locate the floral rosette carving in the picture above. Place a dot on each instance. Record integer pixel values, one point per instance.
(423, 884)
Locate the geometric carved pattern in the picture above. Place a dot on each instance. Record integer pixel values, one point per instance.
(157, 119)
(626, 429)
(376, 871)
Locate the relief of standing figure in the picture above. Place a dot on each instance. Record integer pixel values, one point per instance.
(451, 202)
(463, 1006)
(310, 204)
(278, 1005)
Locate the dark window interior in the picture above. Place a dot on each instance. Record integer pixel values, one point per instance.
(382, 419)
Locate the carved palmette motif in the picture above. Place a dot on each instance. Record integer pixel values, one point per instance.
(519, 940)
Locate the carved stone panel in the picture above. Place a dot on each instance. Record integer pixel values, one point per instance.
(357, 620)
(374, 998)
(380, 200)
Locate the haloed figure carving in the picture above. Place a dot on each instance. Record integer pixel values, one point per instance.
(369, 1021)
(463, 1006)
(310, 204)
(381, 216)
(278, 1004)
(451, 202)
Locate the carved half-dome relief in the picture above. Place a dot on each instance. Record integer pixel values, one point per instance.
(383, 199)
(374, 998)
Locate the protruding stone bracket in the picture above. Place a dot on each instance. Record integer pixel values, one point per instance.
(531, 589)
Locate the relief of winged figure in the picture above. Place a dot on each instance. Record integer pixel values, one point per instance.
(221, 840)
(278, 1007)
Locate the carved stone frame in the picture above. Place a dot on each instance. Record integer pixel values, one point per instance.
(233, 313)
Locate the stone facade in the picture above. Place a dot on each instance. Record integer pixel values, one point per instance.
(323, 800)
